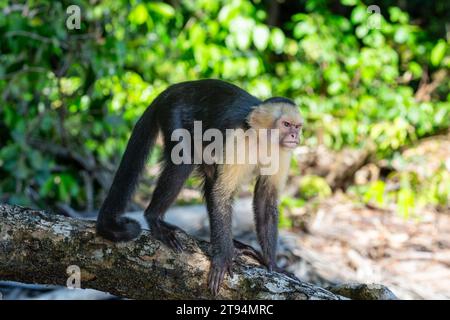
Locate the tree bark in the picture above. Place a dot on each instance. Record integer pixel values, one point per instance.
(38, 247)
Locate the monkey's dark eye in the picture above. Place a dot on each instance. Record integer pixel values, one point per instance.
(286, 124)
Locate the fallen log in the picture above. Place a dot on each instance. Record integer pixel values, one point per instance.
(41, 247)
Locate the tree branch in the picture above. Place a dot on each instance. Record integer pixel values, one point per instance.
(37, 247)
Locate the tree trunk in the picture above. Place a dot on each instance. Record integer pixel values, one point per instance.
(38, 247)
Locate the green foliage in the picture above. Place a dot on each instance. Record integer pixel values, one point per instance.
(286, 204)
(311, 186)
(376, 192)
(408, 192)
(71, 97)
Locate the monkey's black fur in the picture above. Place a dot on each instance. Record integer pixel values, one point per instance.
(280, 100)
(110, 223)
(218, 105)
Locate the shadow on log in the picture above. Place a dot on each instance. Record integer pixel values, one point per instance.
(38, 247)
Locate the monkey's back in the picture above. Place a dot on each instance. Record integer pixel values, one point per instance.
(217, 104)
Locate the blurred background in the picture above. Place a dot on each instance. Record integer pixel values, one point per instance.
(368, 198)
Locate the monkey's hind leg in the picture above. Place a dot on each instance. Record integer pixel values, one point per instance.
(118, 228)
(167, 189)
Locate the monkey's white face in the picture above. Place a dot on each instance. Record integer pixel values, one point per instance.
(290, 130)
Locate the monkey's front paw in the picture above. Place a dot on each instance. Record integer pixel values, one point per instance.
(217, 272)
(166, 233)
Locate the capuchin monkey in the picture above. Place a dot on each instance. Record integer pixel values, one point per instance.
(218, 105)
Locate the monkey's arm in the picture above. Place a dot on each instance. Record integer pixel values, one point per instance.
(265, 203)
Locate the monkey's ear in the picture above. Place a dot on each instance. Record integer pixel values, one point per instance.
(261, 118)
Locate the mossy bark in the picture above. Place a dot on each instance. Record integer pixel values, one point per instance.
(38, 247)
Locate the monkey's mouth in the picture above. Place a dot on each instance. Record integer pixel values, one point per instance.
(290, 144)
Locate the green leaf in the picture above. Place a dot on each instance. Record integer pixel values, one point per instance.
(405, 202)
(334, 88)
(162, 8)
(376, 192)
(361, 31)
(438, 52)
(397, 15)
(349, 2)
(401, 35)
(277, 39)
(139, 14)
(359, 14)
(304, 28)
(261, 36)
(314, 186)
(63, 192)
(47, 187)
(415, 69)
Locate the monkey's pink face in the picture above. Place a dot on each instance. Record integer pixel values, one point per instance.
(290, 130)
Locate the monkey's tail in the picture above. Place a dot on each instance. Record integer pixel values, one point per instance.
(110, 222)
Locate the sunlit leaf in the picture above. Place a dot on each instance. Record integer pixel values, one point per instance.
(277, 39)
(438, 52)
(261, 36)
(139, 14)
(162, 8)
